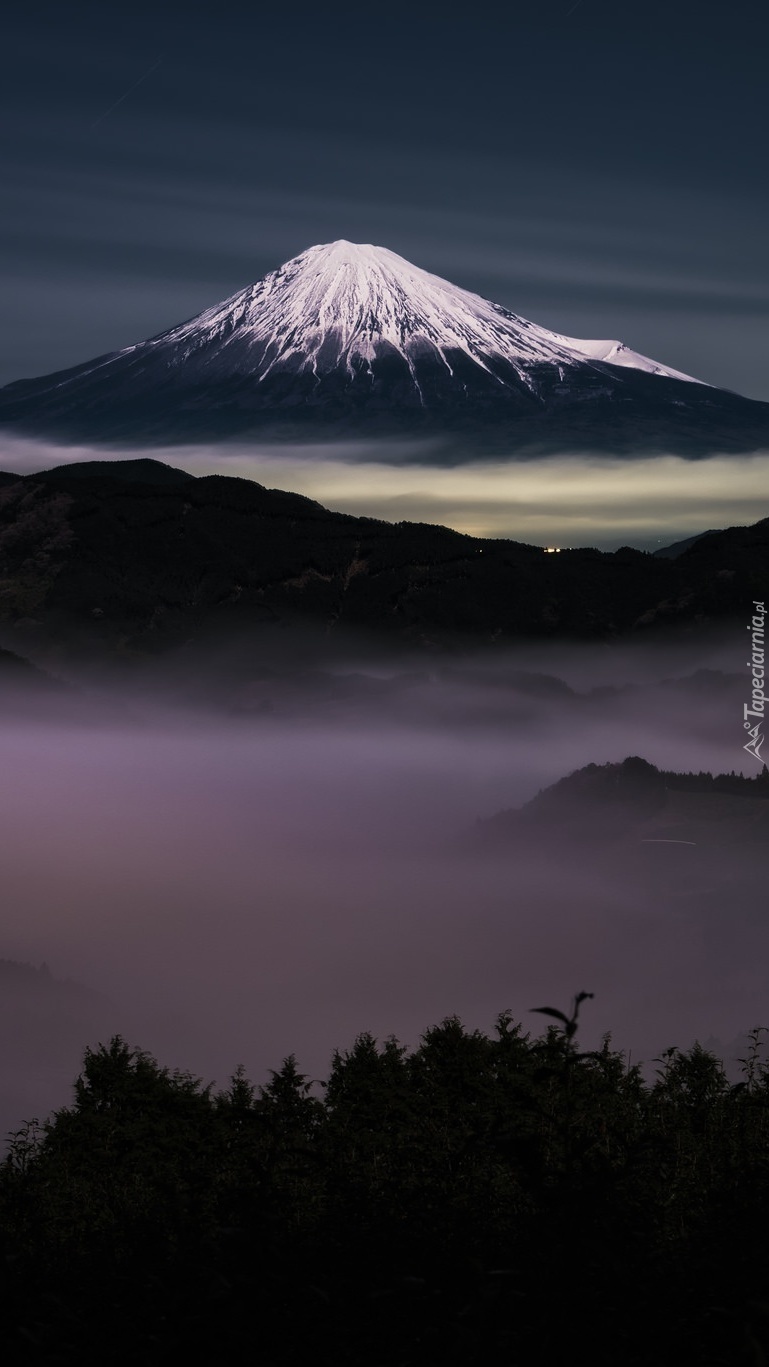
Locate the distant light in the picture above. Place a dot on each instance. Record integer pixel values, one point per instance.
(551, 550)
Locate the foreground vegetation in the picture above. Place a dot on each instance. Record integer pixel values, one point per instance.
(483, 1199)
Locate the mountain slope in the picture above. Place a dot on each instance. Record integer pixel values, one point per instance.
(663, 819)
(103, 567)
(353, 340)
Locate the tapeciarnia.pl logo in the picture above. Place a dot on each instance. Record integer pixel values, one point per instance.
(757, 705)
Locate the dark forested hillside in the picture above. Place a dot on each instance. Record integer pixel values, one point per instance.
(117, 565)
(635, 800)
(484, 1198)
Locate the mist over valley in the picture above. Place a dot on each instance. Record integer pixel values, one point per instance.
(252, 852)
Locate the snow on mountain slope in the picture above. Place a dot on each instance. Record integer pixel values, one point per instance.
(354, 341)
(619, 354)
(343, 302)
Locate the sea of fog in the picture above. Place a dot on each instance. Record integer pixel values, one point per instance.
(240, 886)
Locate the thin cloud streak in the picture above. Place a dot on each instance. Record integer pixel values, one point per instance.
(128, 92)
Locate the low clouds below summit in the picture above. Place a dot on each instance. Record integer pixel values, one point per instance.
(562, 501)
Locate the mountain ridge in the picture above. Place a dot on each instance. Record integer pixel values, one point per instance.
(121, 569)
(635, 804)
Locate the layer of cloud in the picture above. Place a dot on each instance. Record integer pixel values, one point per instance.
(563, 501)
(243, 888)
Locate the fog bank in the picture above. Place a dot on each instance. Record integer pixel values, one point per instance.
(240, 887)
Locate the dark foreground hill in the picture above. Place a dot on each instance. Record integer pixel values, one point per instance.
(124, 562)
(481, 1199)
(44, 1023)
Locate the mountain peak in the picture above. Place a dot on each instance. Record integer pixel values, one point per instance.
(347, 304)
(343, 248)
(353, 252)
(351, 337)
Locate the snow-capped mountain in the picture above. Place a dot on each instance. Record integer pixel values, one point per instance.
(346, 305)
(352, 338)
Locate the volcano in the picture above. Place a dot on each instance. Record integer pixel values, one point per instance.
(350, 340)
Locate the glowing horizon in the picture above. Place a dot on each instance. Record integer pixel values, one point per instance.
(560, 501)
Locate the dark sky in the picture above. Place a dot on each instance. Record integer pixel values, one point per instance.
(599, 168)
